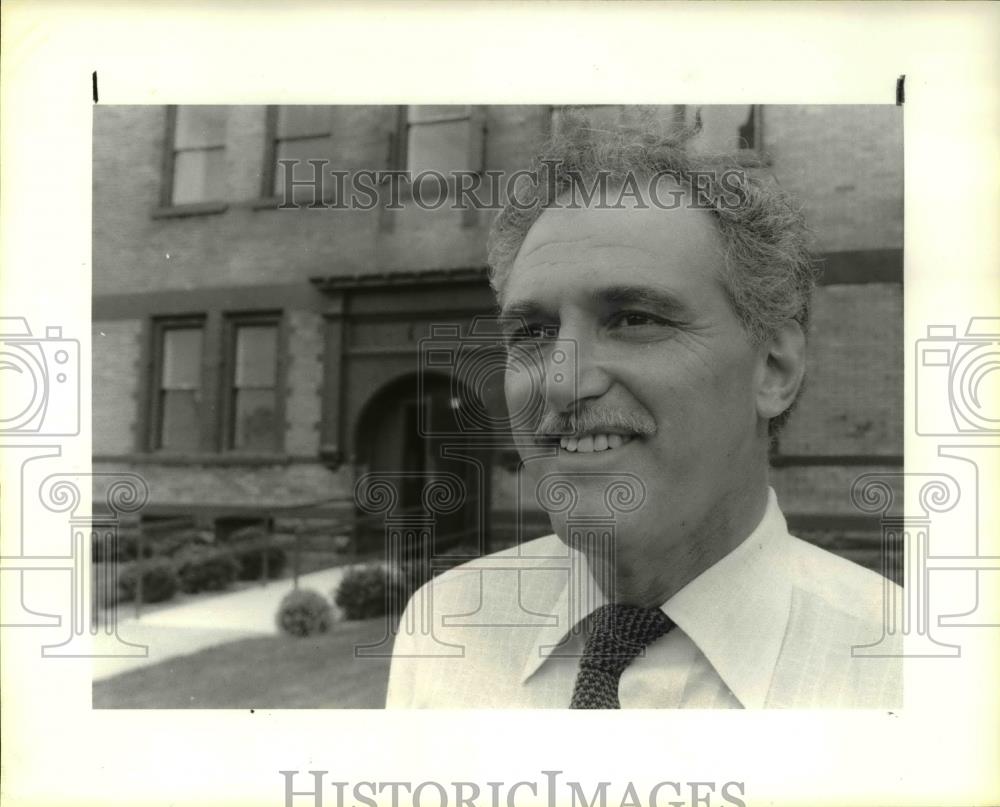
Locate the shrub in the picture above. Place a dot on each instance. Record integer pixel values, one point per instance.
(104, 592)
(176, 542)
(241, 530)
(154, 544)
(304, 612)
(252, 566)
(159, 581)
(369, 591)
(128, 547)
(203, 569)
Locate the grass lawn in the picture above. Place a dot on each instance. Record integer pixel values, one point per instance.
(267, 672)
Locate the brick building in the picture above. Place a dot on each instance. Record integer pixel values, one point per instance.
(248, 357)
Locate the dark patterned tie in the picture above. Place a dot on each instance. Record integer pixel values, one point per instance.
(619, 633)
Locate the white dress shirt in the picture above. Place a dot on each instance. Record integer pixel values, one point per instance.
(772, 624)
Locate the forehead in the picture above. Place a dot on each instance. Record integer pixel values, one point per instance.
(679, 249)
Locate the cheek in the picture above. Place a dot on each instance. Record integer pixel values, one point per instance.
(730, 412)
(705, 398)
(738, 382)
(517, 389)
(522, 392)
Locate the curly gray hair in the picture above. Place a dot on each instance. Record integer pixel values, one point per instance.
(768, 272)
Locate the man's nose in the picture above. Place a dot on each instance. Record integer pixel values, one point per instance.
(573, 373)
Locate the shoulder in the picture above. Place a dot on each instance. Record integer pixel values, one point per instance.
(838, 583)
(495, 577)
(837, 650)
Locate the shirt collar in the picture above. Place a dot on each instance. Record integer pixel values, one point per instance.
(736, 612)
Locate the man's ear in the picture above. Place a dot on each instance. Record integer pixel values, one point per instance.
(783, 366)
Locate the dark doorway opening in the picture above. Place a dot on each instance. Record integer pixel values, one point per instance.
(411, 433)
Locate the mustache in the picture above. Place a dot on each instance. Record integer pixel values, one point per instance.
(594, 418)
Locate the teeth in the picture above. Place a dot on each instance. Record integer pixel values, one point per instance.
(593, 442)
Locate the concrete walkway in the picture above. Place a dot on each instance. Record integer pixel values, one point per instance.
(206, 622)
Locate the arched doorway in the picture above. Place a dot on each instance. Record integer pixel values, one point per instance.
(412, 427)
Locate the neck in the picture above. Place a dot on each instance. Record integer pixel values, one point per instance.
(649, 571)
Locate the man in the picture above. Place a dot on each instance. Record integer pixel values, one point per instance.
(660, 323)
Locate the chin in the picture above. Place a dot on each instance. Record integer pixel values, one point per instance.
(619, 577)
(622, 539)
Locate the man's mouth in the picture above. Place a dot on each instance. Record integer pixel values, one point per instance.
(594, 429)
(591, 443)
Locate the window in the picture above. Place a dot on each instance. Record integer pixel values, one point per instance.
(216, 384)
(442, 138)
(301, 133)
(177, 405)
(197, 157)
(253, 416)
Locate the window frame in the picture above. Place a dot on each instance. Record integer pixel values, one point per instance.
(231, 323)
(477, 126)
(475, 140)
(217, 363)
(167, 208)
(269, 171)
(154, 432)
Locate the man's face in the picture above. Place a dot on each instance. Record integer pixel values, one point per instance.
(664, 378)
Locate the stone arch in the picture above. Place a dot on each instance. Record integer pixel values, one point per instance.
(411, 424)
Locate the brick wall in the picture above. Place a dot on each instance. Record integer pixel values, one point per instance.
(116, 384)
(822, 490)
(303, 383)
(127, 147)
(264, 486)
(136, 252)
(845, 166)
(843, 163)
(853, 401)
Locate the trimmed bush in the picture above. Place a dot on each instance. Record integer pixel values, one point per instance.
(241, 530)
(252, 566)
(128, 547)
(364, 592)
(202, 569)
(159, 581)
(153, 544)
(172, 544)
(304, 612)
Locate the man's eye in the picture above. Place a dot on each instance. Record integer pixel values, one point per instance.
(531, 332)
(636, 319)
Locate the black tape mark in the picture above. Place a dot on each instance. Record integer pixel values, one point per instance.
(901, 90)
(93, 80)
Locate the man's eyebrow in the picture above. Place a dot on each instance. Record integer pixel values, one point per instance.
(609, 296)
(643, 296)
(525, 309)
